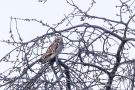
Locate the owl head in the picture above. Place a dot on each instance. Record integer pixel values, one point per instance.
(59, 39)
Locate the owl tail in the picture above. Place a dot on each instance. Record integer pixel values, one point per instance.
(51, 60)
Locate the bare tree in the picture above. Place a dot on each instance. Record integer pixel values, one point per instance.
(94, 57)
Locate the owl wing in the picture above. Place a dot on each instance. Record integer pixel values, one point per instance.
(50, 53)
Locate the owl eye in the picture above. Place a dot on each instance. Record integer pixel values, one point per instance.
(59, 38)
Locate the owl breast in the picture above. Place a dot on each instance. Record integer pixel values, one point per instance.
(60, 47)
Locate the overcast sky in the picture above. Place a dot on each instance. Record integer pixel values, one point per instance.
(51, 12)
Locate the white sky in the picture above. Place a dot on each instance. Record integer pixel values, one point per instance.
(51, 12)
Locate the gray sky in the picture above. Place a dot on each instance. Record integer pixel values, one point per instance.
(51, 12)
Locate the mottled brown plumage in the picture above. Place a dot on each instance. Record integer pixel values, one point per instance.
(53, 50)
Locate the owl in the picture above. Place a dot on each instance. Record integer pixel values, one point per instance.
(53, 50)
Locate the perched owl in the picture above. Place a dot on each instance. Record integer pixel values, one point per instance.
(53, 50)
